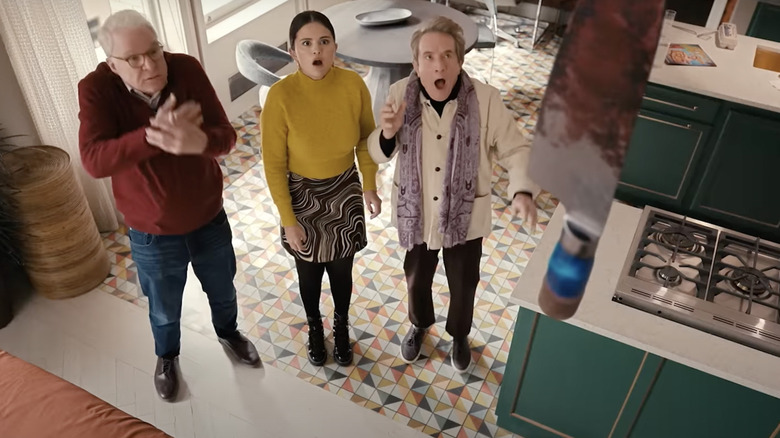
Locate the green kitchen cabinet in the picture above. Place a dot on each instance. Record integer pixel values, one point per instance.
(765, 23)
(682, 104)
(662, 158)
(564, 381)
(738, 187)
(687, 403)
(668, 141)
(561, 380)
(705, 158)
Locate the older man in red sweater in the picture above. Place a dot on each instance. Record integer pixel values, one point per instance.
(152, 122)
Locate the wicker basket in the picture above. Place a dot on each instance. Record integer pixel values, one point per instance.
(63, 251)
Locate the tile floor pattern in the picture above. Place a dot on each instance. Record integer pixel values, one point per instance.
(428, 395)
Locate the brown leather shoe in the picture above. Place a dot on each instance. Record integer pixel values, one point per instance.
(241, 348)
(166, 378)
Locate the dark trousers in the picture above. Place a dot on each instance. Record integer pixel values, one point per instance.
(310, 280)
(462, 266)
(162, 262)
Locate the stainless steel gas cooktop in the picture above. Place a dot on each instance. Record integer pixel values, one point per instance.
(717, 280)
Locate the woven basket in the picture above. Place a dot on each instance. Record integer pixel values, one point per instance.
(63, 251)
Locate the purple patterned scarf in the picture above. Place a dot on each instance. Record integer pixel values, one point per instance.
(460, 179)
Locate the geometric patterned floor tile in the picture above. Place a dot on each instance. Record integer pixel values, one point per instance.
(427, 395)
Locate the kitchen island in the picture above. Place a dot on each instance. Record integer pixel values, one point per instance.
(599, 373)
(734, 78)
(706, 144)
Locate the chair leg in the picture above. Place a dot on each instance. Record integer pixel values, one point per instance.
(511, 38)
(536, 24)
(492, 60)
(499, 33)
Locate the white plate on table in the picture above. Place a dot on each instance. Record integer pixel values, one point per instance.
(384, 16)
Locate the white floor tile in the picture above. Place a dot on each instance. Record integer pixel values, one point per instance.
(183, 419)
(143, 388)
(244, 429)
(163, 412)
(125, 392)
(72, 363)
(201, 419)
(169, 428)
(220, 422)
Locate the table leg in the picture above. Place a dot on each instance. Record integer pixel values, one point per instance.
(378, 81)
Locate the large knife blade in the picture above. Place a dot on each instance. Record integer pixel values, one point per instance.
(587, 116)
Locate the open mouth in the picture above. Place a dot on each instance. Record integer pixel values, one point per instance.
(439, 84)
(317, 62)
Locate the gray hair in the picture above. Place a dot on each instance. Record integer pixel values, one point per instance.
(441, 25)
(126, 19)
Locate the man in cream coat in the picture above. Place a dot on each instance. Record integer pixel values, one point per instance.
(446, 128)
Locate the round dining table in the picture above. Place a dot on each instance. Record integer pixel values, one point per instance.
(386, 49)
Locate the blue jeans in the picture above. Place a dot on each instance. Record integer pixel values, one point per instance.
(162, 260)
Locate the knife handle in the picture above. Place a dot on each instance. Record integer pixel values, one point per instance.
(568, 272)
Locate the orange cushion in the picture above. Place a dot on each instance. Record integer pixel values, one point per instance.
(35, 403)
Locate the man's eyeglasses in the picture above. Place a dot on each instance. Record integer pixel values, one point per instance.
(137, 61)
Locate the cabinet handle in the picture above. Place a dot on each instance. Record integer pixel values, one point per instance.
(675, 105)
(676, 125)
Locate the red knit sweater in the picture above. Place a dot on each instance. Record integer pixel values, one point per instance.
(157, 192)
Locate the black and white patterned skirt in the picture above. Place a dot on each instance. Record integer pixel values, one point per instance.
(331, 213)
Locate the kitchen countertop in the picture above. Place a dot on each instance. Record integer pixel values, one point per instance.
(733, 79)
(599, 314)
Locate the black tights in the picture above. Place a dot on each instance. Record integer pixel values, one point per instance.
(310, 280)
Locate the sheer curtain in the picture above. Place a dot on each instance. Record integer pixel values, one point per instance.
(50, 49)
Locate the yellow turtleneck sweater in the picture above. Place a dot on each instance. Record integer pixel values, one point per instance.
(315, 129)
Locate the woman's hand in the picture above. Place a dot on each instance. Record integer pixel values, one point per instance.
(295, 236)
(373, 203)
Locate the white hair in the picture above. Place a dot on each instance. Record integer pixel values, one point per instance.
(126, 19)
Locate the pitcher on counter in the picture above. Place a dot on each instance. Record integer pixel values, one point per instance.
(446, 128)
(152, 122)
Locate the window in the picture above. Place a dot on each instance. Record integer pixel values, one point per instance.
(238, 16)
(215, 10)
(163, 14)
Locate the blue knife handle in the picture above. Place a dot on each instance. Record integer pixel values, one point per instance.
(568, 270)
(567, 274)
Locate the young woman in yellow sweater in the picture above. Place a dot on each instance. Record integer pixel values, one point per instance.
(314, 123)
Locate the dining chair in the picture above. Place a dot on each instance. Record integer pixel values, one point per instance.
(498, 32)
(486, 39)
(261, 63)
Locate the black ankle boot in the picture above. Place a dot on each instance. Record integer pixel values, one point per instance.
(316, 347)
(342, 351)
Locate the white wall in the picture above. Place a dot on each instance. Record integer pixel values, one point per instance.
(743, 13)
(14, 115)
(219, 57)
(99, 9)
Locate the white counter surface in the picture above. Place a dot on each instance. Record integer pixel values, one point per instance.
(733, 79)
(599, 314)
